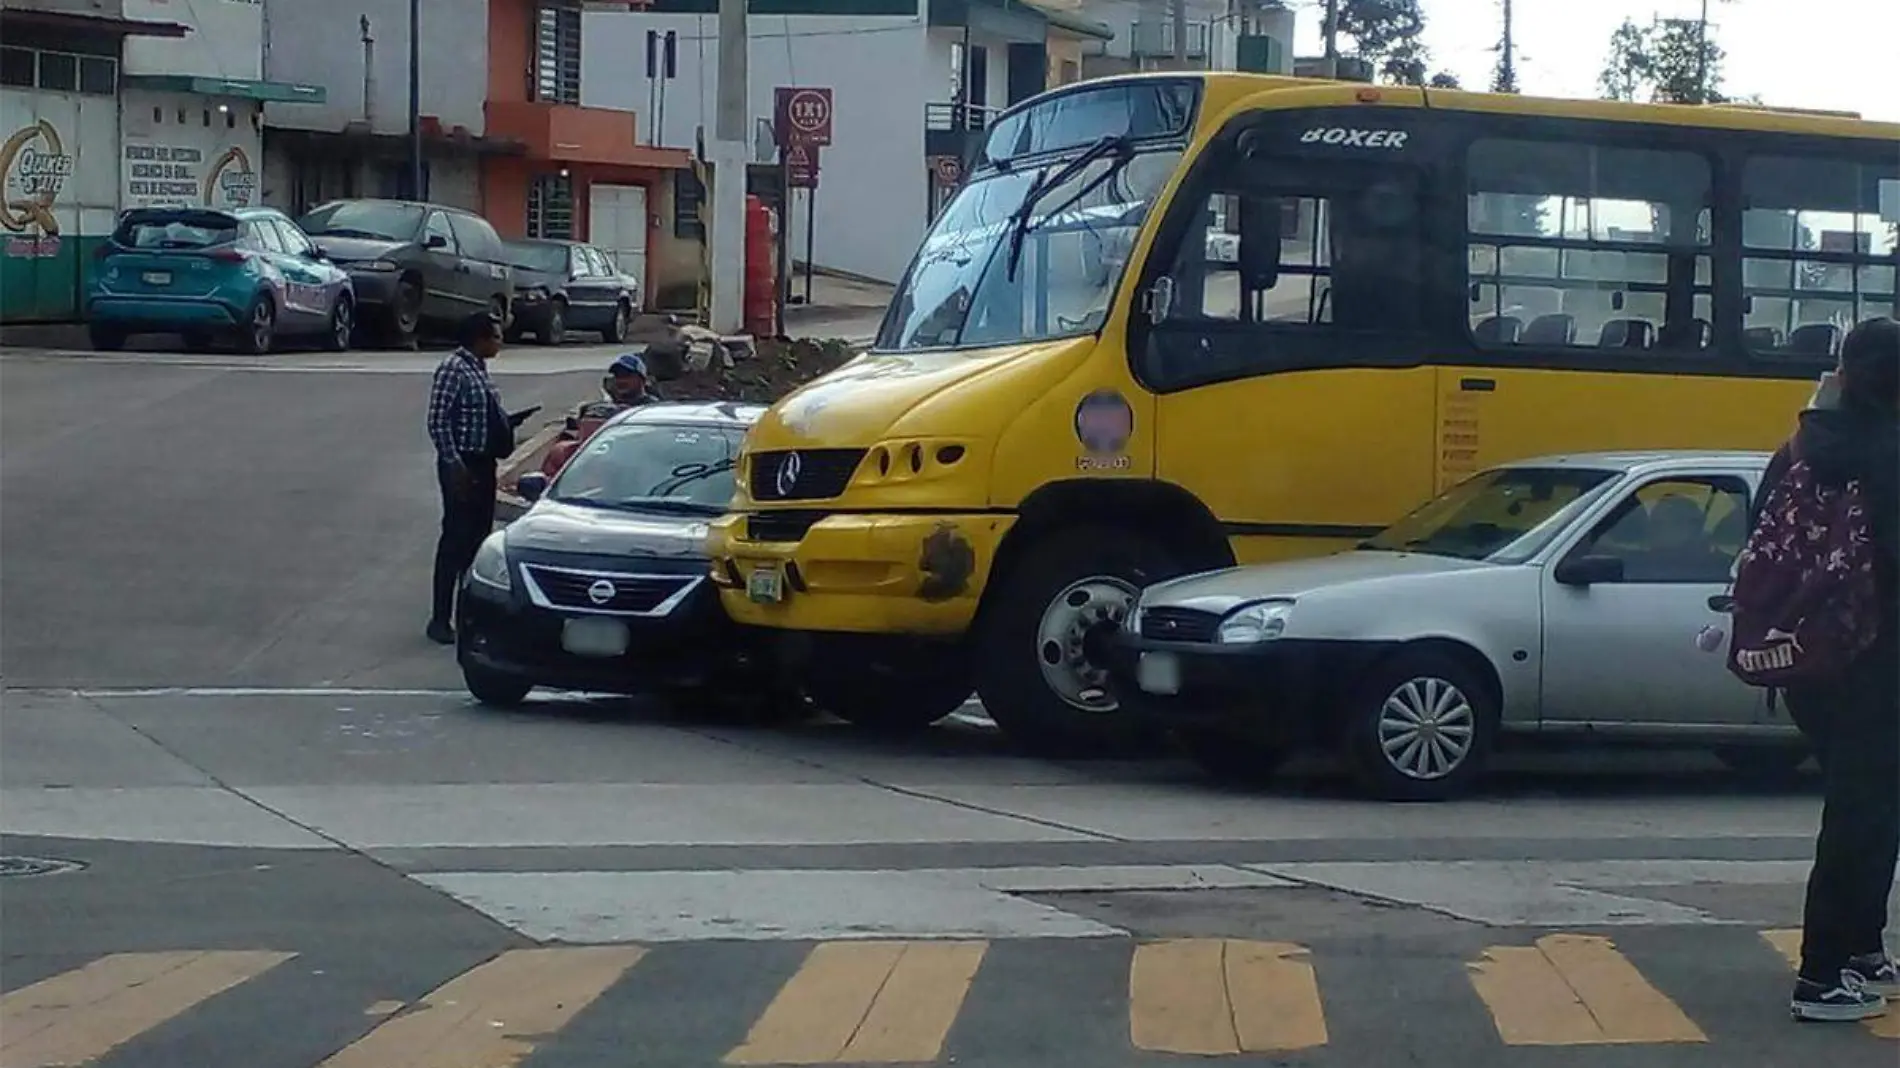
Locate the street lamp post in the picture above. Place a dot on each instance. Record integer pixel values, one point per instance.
(415, 99)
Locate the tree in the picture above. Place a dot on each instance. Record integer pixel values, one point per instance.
(1390, 35)
(1670, 61)
(1445, 79)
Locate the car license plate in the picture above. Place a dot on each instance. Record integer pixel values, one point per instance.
(766, 586)
(594, 636)
(1158, 673)
(157, 278)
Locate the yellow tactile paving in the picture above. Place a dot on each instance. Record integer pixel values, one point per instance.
(1575, 990)
(1213, 997)
(865, 1003)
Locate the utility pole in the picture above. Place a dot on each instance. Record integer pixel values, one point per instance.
(1180, 34)
(729, 151)
(1332, 32)
(1702, 57)
(415, 99)
(1507, 62)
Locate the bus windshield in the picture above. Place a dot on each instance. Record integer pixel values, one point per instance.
(986, 277)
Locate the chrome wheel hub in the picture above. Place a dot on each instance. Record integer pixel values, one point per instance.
(1061, 640)
(1426, 729)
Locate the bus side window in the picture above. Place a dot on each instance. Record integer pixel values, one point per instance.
(1206, 273)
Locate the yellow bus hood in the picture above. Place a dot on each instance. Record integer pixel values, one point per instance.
(877, 395)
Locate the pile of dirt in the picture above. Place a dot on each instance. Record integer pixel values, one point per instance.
(705, 369)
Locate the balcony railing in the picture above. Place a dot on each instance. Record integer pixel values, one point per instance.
(1156, 39)
(957, 115)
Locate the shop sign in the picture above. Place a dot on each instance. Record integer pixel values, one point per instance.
(169, 175)
(34, 167)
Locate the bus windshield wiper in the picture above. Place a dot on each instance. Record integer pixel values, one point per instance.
(1046, 182)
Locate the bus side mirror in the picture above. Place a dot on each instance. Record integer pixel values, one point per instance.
(1259, 243)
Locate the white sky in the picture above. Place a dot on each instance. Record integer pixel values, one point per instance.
(1834, 54)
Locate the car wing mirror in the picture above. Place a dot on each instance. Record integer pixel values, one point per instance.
(1259, 243)
(531, 486)
(1590, 570)
(435, 241)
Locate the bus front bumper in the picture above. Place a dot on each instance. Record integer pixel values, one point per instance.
(865, 573)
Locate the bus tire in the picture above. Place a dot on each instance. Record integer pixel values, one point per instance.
(1035, 679)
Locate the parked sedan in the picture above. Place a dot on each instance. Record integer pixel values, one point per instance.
(249, 275)
(1564, 597)
(415, 266)
(567, 285)
(602, 584)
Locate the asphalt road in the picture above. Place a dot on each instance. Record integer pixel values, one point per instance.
(247, 818)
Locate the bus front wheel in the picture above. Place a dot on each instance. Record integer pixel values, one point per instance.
(1035, 674)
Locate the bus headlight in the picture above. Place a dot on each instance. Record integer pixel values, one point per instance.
(491, 562)
(1258, 622)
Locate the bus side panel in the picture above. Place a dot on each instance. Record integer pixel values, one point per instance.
(1304, 462)
(1492, 415)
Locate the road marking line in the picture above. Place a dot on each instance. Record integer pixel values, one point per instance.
(79, 1016)
(865, 1003)
(1223, 997)
(1787, 942)
(1574, 990)
(493, 1014)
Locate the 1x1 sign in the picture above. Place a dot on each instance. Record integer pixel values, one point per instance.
(801, 166)
(801, 116)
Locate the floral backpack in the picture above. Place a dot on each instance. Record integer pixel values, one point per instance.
(1803, 603)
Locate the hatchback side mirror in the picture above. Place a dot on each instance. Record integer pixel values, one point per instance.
(435, 241)
(1590, 570)
(531, 486)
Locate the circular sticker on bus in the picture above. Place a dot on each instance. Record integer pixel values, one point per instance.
(1104, 422)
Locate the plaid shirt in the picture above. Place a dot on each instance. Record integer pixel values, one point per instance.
(461, 400)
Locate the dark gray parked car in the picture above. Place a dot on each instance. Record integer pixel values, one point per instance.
(570, 285)
(416, 267)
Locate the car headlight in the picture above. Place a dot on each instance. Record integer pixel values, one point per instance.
(491, 563)
(1257, 622)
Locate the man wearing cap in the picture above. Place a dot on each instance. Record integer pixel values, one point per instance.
(627, 382)
(471, 432)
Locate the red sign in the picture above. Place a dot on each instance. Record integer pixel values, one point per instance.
(801, 166)
(948, 169)
(801, 116)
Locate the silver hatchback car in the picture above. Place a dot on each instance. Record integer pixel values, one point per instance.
(1568, 596)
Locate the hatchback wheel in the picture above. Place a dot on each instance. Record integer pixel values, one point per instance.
(1421, 728)
(259, 329)
(617, 330)
(342, 325)
(556, 330)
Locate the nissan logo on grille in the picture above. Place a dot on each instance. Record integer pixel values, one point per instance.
(601, 591)
(787, 478)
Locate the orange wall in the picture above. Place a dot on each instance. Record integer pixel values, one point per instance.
(510, 49)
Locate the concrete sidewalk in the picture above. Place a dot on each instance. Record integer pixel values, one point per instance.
(847, 308)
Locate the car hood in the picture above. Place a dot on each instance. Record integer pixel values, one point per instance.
(882, 393)
(526, 277)
(551, 526)
(353, 249)
(1218, 591)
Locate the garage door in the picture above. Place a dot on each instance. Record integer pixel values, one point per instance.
(617, 225)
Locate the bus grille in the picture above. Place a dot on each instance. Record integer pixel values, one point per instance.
(780, 526)
(816, 474)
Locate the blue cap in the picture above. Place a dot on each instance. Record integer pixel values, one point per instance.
(629, 364)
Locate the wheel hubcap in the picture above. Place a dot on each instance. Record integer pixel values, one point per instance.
(1426, 728)
(1062, 639)
(343, 319)
(260, 325)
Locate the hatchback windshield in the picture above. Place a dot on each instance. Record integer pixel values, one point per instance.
(176, 230)
(534, 256)
(638, 466)
(1503, 515)
(977, 282)
(375, 220)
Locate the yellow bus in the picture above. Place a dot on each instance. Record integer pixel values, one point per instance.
(1174, 322)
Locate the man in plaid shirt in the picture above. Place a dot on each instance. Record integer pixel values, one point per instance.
(471, 432)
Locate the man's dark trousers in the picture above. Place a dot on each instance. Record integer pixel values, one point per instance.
(468, 515)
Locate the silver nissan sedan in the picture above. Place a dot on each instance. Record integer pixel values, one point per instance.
(1566, 597)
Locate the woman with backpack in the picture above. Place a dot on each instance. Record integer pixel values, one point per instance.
(1850, 709)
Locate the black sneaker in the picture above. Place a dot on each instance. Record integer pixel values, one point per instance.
(1877, 972)
(440, 633)
(1846, 1000)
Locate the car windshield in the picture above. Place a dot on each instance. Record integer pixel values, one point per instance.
(176, 230)
(652, 467)
(1503, 515)
(985, 277)
(375, 220)
(534, 256)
